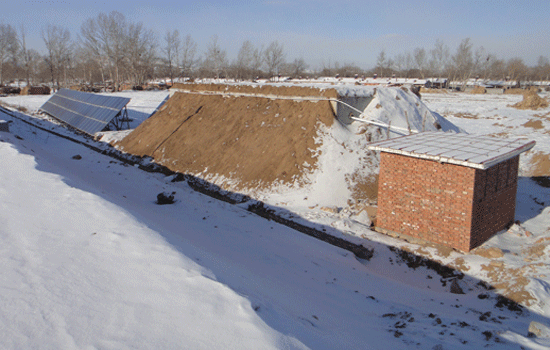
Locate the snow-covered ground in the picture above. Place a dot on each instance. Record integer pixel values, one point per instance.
(89, 261)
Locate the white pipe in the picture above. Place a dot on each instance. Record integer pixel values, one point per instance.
(372, 122)
(395, 129)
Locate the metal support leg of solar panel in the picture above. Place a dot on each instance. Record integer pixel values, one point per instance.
(119, 120)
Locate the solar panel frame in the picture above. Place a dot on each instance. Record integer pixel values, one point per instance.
(84, 111)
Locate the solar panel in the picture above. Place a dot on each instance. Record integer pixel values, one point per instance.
(84, 111)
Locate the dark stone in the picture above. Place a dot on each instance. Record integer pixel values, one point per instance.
(165, 198)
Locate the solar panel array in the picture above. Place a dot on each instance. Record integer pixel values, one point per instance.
(84, 111)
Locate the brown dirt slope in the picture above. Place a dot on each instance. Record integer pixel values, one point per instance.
(255, 141)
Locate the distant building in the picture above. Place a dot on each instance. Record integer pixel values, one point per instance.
(456, 190)
(438, 83)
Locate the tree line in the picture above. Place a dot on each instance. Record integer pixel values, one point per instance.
(109, 49)
(465, 63)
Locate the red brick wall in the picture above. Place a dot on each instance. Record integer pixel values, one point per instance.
(436, 201)
(494, 202)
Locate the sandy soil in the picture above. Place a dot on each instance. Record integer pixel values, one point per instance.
(253, 141)
(531, 100)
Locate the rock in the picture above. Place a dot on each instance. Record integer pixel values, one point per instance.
(455, 287)
(538, 330)
(4, 126)
(77, 157)
(165, 198)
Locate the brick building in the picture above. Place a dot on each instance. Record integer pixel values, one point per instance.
(452, 189)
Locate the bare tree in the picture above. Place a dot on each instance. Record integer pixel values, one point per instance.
(215, 61)
(439, 57)
(258, 58)
(542, 70)
(188, 52)
(106, 39)
(58, 46)
(419, 55)
(274, 57)
(400, 63)
(140, 47)
(516, 69)
(480, 61)
(94, 45)
(381, 63)
(171, 51)
(113, 32)
(25, 54)
(245, 59)
(463, 61)
(497, 69)
(8, 46)
(298, 67)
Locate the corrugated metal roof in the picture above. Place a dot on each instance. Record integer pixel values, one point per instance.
(474, 151)
(84, 111)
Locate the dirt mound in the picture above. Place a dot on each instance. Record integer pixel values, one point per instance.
(252, 141)
(531, 100)
(478, 90)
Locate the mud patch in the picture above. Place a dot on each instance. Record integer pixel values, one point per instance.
(534, 123)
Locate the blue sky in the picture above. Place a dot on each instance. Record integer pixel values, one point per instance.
(322, 32)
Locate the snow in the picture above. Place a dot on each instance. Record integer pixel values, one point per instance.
(469, 150)
(402, 109)
(89, 261)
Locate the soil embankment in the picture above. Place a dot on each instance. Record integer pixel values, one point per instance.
(250, 141)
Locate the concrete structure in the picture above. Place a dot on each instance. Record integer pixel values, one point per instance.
(452, 189)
